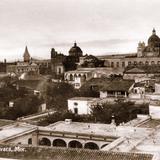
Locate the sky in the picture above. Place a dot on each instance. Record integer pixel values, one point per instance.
(98, 26)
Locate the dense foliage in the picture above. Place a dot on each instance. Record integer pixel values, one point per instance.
(22, 107)
(122, 111)
(57, 95)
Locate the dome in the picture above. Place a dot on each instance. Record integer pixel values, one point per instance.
(75, 51)
(154, 40)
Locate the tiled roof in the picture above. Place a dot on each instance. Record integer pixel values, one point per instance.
(135, 70)
(143, 69)
(108, 84)
(118, 85)
(48, 153)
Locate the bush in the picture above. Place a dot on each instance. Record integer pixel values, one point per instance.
(123, 112)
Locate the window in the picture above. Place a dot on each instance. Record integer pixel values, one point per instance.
(152, 63)
(119, 93)
(30, 141)
(135, 91)
(112, 64)
(135, 63)
(129, 63)
(147, 63)
(75, 103)
(59, 71)
(77, 85)
(71, 77)
(140, 63)
(117, 64)
(123, 64)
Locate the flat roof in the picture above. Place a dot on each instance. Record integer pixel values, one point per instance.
(99, 129)
(84, 98)
(15, 129)
(152, 123)
(150, 144)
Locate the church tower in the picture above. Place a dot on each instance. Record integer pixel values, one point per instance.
(26, 55)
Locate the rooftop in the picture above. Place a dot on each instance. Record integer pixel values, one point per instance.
(143, 69)
(118, 85)
(151, 123)
(100, 83)
(74, 154)
(100, 129)
(84, 98)
(14, 130)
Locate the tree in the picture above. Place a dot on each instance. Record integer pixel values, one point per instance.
(57, 95)
(61, 116)
(23, 106)
(122, 111)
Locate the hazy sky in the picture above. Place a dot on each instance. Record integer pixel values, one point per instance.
(98, 26)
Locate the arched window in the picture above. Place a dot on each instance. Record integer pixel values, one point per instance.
(147, 63)
(75, 75)
(75, 144)
(140, 63)
(135, 62)
(152, 63)
(91, 145)
(84, 78)
(129, 63)
(71, 77)
(135, 90)
(59, 143)
(45, 142)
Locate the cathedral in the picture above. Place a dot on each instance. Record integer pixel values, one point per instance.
(146, 55)
(61, 63)
(152, 49)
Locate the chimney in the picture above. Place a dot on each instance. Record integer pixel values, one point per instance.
(113, 120)
(68, 121)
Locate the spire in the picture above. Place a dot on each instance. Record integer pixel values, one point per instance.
(153, 31)
(26, 51)
(26, 55)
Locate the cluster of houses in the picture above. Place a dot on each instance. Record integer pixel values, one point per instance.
(128, 77)
(131, 77)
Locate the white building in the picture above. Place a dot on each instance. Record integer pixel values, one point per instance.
(154, 109)
(78, 77)
(81, 105)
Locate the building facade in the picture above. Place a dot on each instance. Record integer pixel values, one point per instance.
(81, 105)
(29, 64)
(146, 55)
(61, 63)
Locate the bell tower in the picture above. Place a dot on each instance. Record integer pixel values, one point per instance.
(26, 55)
